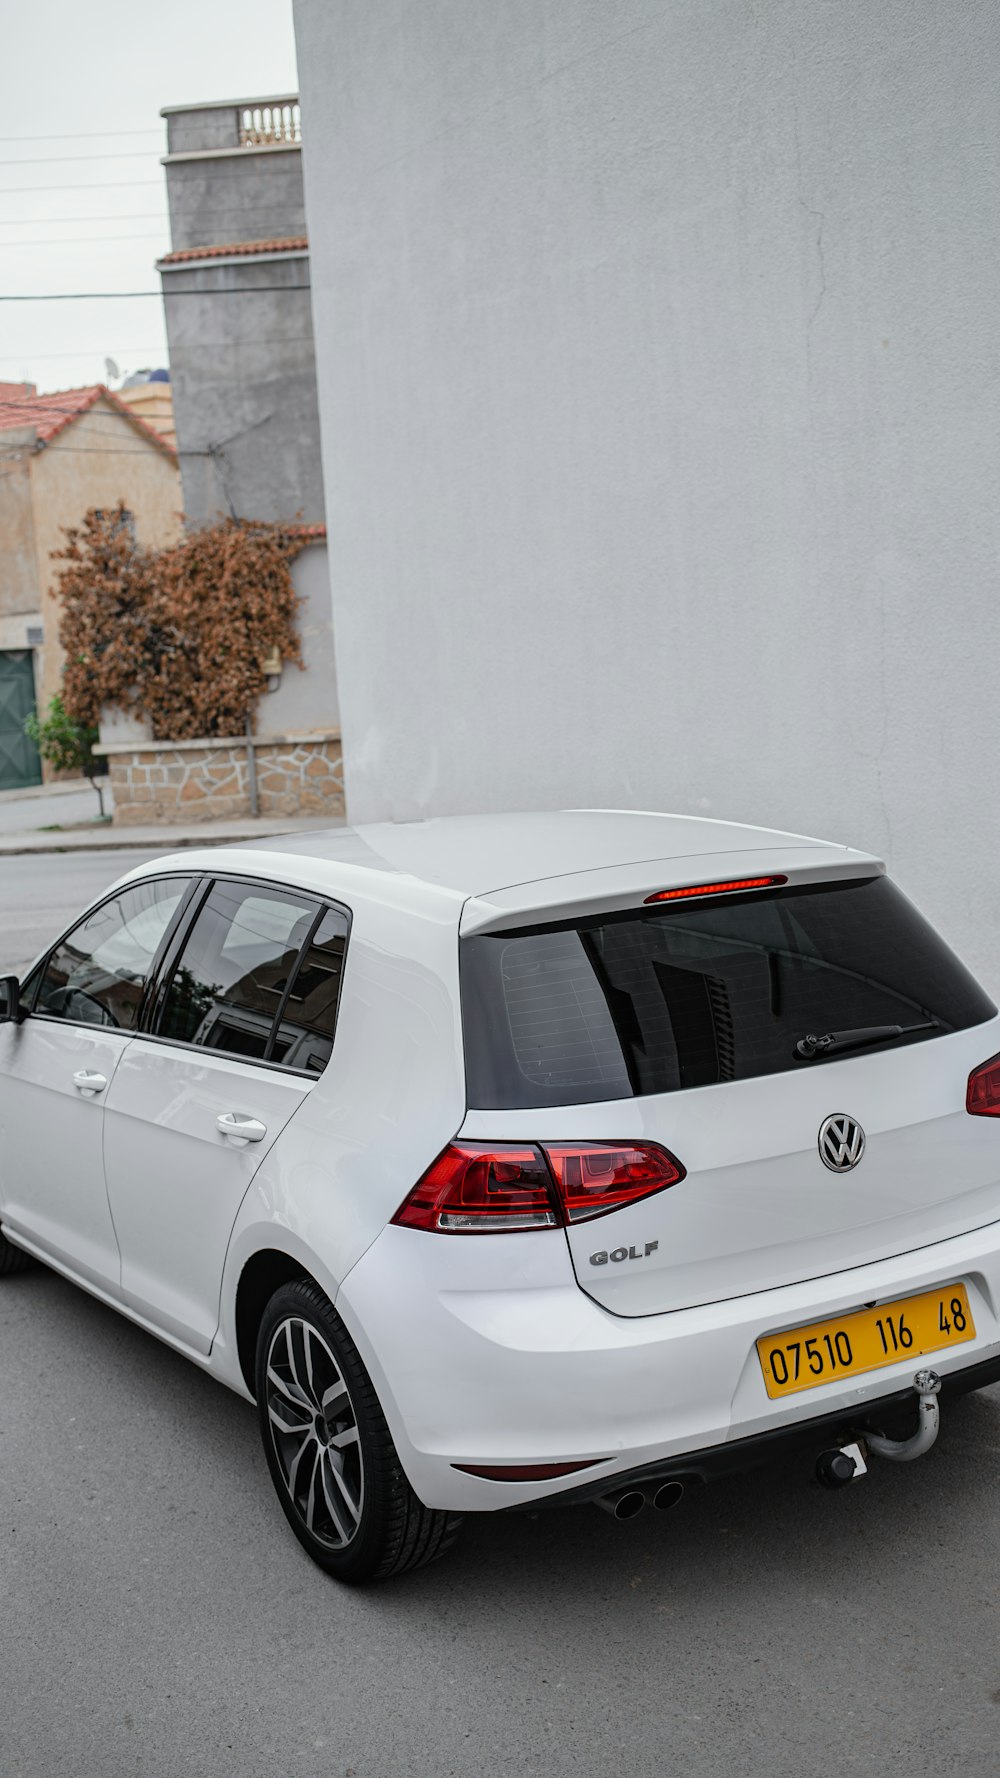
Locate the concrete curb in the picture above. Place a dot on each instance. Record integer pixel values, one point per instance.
(154, 839)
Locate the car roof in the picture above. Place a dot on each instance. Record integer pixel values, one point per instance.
(469, 856)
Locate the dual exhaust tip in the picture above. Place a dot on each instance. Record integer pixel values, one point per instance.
(626, 1503)
(835, 1468)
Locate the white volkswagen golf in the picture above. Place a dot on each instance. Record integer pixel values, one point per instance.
(518, 1160)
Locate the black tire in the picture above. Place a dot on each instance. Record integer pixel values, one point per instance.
(13, 1259)
(332, 1460)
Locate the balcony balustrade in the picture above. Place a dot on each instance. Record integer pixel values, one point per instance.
(270, 126)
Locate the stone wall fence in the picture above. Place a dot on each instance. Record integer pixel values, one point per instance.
(174, 783)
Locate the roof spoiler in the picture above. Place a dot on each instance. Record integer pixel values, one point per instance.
(616, 888)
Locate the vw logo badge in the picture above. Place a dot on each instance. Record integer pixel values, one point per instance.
(841, 1142)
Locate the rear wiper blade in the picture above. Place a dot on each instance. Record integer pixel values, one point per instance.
(808, 1048)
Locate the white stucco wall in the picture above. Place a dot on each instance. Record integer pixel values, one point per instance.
(658, 360)
(307, 700)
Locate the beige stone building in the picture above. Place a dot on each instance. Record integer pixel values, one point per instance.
(61, 454)
(150, 396)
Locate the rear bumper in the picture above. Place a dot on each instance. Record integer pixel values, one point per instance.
(895, 1413)
(486, 1352)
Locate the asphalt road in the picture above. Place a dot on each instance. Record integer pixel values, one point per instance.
(39, 897)
(158, 1620)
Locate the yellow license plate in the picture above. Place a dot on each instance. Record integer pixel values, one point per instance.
(865, 1340)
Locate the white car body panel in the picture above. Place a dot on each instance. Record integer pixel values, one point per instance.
(527, 1369)
(469, 855)
(170, 1172)
(392, 1099)
(52, 1184)
(511, 1348)
(757, 1207)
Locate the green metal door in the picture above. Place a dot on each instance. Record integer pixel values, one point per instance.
(19, 761)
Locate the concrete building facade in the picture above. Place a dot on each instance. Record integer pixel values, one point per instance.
(242, 362)
(657, 359)
(239, 322)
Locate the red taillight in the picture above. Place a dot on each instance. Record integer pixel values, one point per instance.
(982, 1096)
(715, 889)
(486, 1189)
(593, 1180)
(480, 1189)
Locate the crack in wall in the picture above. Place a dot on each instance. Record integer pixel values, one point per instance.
(821, 256)
(809, 209)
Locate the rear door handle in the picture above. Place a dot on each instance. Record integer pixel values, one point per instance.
(86, 1082)
(241, 1129)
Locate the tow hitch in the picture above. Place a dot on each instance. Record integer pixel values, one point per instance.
(840, 1467)
(926, 1384)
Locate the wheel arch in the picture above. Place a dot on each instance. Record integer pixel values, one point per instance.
(264, 1273)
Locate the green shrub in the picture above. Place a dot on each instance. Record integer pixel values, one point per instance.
(66, 744)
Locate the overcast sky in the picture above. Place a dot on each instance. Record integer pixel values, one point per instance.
(82, 191)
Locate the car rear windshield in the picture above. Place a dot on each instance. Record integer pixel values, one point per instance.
(660, 1000)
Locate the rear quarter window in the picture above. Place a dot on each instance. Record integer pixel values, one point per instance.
(658, 1000)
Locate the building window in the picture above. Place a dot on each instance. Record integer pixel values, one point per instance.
(123, 520)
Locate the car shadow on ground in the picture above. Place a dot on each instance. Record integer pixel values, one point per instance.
(160, 1620)
(776, 1516)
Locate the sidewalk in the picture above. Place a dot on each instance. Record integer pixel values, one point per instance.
(107, 838)
(63, 817)
(67, 802)
(35, 792)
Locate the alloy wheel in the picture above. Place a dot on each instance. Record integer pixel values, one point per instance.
(314, 1432)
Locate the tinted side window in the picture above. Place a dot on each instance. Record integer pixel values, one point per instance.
(30, 985)
(236, 969)
(96, 976)
(304, 1038)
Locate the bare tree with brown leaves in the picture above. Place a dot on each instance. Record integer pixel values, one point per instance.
(178, 635)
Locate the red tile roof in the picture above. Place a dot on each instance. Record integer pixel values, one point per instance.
(236, 249)
(49, 414)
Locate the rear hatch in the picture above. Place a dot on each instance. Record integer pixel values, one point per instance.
(679, 1022)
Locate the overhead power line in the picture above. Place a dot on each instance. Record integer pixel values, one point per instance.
(177, 356)
(83, 240)
(260, 211)
(99, 450)
(116, 216)
(49, 160)
(80, 352)
(72, 296)
(10, 421)
(206, 173)
(78, 135)
(281, 227)
(54, 406)
(84, 185)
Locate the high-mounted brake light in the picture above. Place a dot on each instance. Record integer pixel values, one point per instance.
(715, 889)
(476, 1188)
(982, 1096)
